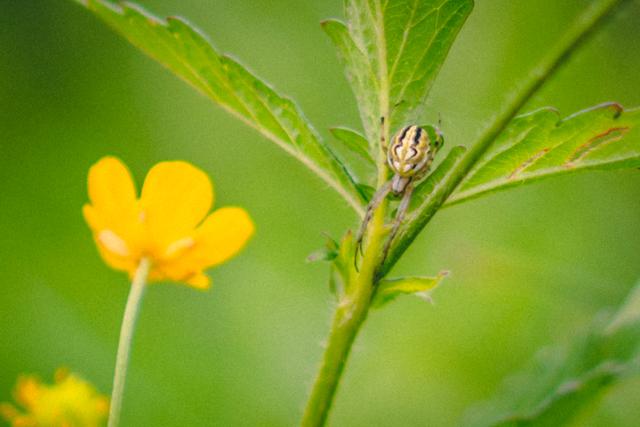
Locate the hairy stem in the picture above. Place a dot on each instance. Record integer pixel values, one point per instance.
(584, 26)
(348, 318)
(126, 334)
(354, 306)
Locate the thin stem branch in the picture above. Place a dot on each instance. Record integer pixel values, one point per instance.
(126, 334)
(584, 26)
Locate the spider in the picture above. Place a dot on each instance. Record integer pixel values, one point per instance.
(409, 156)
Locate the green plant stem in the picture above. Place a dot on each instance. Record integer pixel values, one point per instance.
(348, 318)
(351, 311)
(138, 286)
(583, 27)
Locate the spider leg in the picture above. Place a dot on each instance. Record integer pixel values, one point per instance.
(383, 140)
(377, 198)
(402, 209)
(375, 201)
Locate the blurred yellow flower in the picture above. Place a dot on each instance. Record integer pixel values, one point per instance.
(69, 402)
(166, 225)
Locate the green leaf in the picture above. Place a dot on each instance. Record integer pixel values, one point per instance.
(390, 289)
(361, 76)
(539, 145)
(629, 314)
(427, 187)
(185, 51)
(392, 51)
(322, 254)
(367, 191)
(328, 253)
(563, 382)
(355, 142)
(343, 265)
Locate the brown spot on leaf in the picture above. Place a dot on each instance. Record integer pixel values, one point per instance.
(598, 141)
(531, 160)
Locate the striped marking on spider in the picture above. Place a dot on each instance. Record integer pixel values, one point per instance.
(409, 156)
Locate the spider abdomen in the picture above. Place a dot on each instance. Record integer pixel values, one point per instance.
(410, 151)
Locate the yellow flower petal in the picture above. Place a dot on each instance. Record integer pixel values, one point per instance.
(164, 224)
(222, 235)
(113, 195)
(199, 281)
(176, 196)
(28, 391)
(93, 218)
(113, 259)
(25, 421)
(69, 401)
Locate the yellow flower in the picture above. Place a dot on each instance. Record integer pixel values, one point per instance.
(69, 402)
(166, 224)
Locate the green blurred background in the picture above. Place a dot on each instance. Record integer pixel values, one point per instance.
(529, 266)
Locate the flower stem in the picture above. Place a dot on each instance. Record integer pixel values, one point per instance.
(126, 334)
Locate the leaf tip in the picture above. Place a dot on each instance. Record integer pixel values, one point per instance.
(615, 107)
(330, 21)
(332, 26)
(459, 149)
(618, 109)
